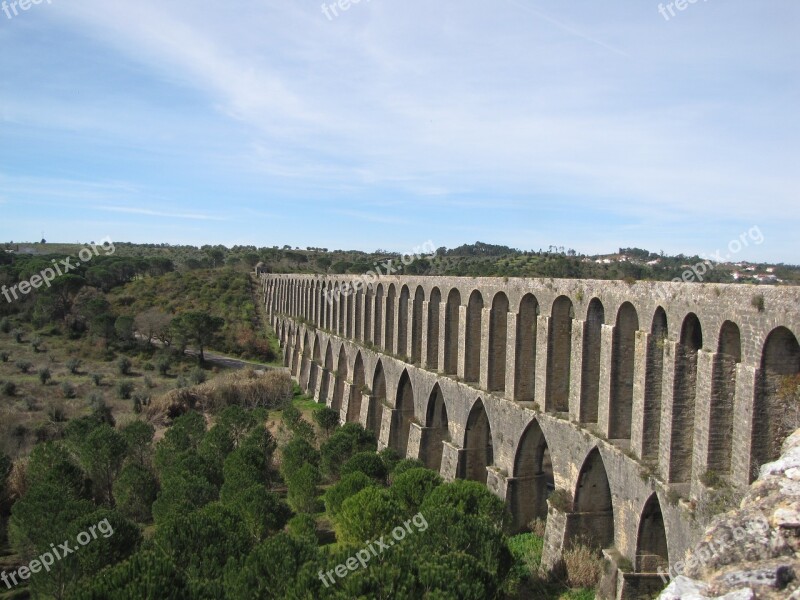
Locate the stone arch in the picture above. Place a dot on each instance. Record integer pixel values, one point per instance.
(432, 359)
(652, 550)
(348, 322)
(305, 361)
(525, 368)
(402, 416)
(498, 340)
(437, 426)
(594, 507)
(377, 400)
(416, 325)
(451, 327)
(683, 403)
(295, 369)
(775, 411)
(723, 395)
(623, 354)
(369, 305)
(322, 306)
(402, 322)
(342, 374)
(356, 391)
(590, 363)
(327, 373)
(388, 336)
(559, 354)
(358, 332)
(342, 300)
(315, 367)
(377, 329)
(533, 479)
(478, 452)
(472, 343)
(653, 386)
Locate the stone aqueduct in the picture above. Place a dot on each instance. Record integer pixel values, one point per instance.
(629, 398)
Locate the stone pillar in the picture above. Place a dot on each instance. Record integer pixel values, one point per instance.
(702, 417)
(497, 482)
(452, 461)
(554, 534)
(511, 356)
(642, 345)
(576, 370)
(542, 350)
(417, 441)
(667, 399)
(442, 339)
(604, 393)
(746, 384)
(395, 347)
(388, 417)
(483, 374)
(384, 302)
(363, 418)
(462, 342)
(424, 361)
(409, 351)
(346, 392)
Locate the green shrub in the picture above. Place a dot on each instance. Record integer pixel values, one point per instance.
(5, 325)
(4, 356)
(73, 364)
(97, 379)
(124, 365)
(67, 389)
(124, 390)
(368, 463)
(9, 388)
(44, 375)
(24, 366)
(197, 376)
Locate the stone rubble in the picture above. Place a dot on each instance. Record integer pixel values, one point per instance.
(753, 552)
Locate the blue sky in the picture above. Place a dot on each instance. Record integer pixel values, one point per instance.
(519, 122)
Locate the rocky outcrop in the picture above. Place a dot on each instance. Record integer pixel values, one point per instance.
(752, 552)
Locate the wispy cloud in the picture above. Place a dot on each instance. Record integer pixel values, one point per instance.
(157, 213)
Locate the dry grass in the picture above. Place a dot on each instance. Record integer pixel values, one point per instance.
(247, 388)
(583, 566)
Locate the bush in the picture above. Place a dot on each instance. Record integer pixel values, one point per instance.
(135, 490)
(163, 365)
(368, 463)
(124, 365)
(9, 388)
(4, 356)
(124, 390)
(67, 389)
(24, 365)
(44, 375)
(403, 466)
(412, 487)
(303, 528)
(583, 566)
(36, 344)
(197, 376)
(346, 487)
(56, 413)
(327, 419)
(18, 336)
(97, 379)
(5, 325)
(73, 364)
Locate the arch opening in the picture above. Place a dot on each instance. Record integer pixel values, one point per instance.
(438, 430)
(623, 356)
(402, 416)
(472, 345)
(498, 340)
(377, 400)
(590, 363)
(683, 408)
(777, 402)
(356, 391)
(478, 452)
(594, 508)
(533, 477)
(559, 354)
(451, 332)
(652, 551)
(525, 367)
